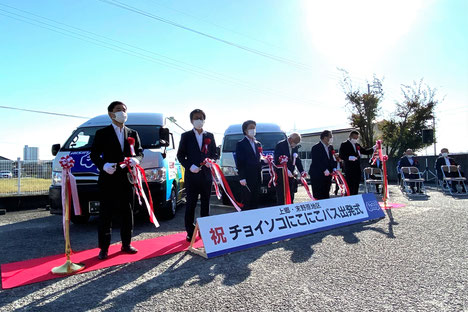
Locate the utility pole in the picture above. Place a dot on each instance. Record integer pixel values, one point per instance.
(434, 135)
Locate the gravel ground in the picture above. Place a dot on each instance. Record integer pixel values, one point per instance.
(416, 259)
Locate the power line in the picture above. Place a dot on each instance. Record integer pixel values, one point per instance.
(227, 42)
(43, 112)
(116, 47)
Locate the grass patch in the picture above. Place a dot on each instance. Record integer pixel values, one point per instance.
(28, 185)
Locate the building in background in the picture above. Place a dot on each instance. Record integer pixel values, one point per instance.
(30, 153)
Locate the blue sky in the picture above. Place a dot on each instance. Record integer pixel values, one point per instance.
(401, 41)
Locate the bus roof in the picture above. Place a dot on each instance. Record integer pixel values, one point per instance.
(155, 119)
(261, 127)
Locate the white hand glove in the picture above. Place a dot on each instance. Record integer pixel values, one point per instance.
(109, 168)
(243, 182)
(134, 161)
(304, 174)
(194, 169)
(352, 158)
(326, 173)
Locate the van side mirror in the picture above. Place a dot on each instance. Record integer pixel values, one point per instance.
(55, 149)
(164, 136)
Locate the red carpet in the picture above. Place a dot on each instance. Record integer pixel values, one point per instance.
(37, 270)
(391, 205)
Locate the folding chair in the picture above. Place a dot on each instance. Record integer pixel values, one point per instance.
(451, 174)
(372, 176)
(406, 180)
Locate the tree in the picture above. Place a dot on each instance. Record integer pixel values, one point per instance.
(404, 129)
(364, 107)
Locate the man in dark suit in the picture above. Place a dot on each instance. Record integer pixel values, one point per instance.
(110, 147)
(249, 165)
(195, 146)
(322, 166)
(350, 152)
(288, 148)
(408, 160)
(445, 160)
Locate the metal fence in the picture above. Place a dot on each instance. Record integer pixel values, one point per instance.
(25, 177)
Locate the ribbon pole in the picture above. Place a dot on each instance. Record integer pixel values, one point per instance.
(68, 267)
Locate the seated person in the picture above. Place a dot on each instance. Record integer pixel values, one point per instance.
(408, 161)
(445, 160)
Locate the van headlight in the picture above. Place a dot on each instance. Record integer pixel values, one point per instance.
(56, 177)
(229, 171)
(156, 174)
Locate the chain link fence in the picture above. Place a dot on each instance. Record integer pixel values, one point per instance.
(25, 177)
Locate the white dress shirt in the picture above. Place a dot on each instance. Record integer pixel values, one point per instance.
(326, 149)
(119, 132)
(252, 143)
(199, 137)
(447, 161)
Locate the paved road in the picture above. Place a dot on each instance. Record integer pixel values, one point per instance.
(416, 259)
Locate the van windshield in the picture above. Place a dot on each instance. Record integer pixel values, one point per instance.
(82, 139)
(268, 140)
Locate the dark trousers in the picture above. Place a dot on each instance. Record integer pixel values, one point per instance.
(197, 185)
(250, 193)
(321, 187)
(353, 179)
(115, 200)
(455, 183)
(280, 189)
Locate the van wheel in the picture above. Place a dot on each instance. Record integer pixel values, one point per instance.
(171, 205)
(83, 219)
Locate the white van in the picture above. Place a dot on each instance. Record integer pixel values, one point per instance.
(268, 134)
(163, 171)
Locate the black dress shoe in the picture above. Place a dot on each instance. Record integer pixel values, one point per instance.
(129, 249)
(103, 255)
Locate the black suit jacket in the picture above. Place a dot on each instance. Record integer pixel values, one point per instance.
(347, 149)
(404, 162)
(282, 148)
(321, 161)
(441, 162)
(189, 153)
(248, 162)
(106, 149)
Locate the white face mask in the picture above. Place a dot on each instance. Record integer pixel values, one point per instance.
(409, 156)
(354, 141)
(444, 154)
(251, 132)
(120, 117)
(198, 123)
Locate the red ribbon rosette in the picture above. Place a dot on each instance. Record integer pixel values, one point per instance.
(206, 142)
(131, 142)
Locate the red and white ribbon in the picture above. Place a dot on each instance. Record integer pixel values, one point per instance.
(341, 182)
(378, 154)
(138, 176)
(220, 180)
(69, 187)
(271, 169)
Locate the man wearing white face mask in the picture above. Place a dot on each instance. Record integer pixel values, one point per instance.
(408, 160)
(249, 165)
(110, 147)
(195, 146)
(350, 152)
(446, 160)
(289, 148)
(323, 164)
